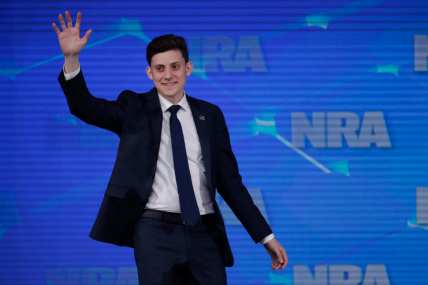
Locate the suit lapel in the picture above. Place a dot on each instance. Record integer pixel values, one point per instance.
(155, 118)
(202, 127)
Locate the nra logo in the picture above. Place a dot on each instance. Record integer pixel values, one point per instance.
(227, 54)
(341, 274)
(338, 129)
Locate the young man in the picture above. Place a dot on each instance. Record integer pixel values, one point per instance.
(174, 154)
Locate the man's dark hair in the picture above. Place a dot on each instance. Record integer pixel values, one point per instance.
(165, 43)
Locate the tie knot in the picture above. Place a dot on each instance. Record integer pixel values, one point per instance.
(174, 109)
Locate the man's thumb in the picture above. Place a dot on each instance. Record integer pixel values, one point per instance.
(87, 35)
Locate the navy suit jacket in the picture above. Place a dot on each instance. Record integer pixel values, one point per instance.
(137, 120)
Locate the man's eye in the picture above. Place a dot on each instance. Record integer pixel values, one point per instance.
(175, 66)
(159, 68)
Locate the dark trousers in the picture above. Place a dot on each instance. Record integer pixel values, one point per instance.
(168, 253)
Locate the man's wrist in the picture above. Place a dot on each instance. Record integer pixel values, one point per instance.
(71, 63)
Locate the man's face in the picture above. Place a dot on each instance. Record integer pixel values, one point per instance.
(169, 71)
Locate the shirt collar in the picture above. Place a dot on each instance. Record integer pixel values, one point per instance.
(165, 104)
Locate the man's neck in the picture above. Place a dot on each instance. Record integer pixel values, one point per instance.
(173, 100)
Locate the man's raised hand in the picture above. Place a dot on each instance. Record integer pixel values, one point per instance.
(68, 36)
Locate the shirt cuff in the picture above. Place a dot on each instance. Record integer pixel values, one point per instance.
(70, 75)
(267, 238)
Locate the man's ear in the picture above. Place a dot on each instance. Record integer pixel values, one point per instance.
(189, 68)
(149, 73)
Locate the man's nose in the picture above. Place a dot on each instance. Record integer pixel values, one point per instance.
(168, 73)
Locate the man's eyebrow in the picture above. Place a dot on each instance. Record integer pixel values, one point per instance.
(160, 64)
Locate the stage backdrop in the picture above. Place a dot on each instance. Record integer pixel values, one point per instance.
(326, 103)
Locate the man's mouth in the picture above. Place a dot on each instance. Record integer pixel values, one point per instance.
(169, 84)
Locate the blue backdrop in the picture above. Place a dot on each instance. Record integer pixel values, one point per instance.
(326, 103)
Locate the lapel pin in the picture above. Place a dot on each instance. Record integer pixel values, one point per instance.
(202, 117)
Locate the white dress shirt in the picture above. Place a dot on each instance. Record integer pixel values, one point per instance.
(164, 196)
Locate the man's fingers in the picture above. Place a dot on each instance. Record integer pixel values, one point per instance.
(78, 19)
(277, 259)
(61, 22)
(56, 29)
(283, 256)
(274, 265)
(86, 36)
(280, 260)
(278, 255)
(69, 20)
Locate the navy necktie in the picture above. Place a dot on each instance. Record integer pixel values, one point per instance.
(189, 207)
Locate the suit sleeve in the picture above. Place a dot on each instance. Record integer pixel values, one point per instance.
(231, 188)
(99, 112)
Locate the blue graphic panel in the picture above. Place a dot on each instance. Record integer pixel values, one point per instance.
(327, 108)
